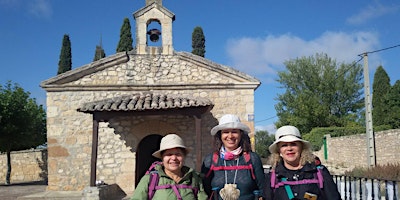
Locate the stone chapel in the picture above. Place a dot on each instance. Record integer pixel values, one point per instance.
(106, 118)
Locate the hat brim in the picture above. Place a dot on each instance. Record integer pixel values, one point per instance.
(273, 148)
(231, 125)
(157, 154)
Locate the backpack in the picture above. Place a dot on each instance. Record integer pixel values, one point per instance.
(214, 166)
(318, 179)
(153, 183)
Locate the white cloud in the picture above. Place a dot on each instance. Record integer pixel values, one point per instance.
(371, 12)
(270, 128)
(40, 8)
(262, 57)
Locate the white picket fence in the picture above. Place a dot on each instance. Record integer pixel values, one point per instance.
(352, 188)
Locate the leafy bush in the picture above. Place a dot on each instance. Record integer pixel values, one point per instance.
(382, 172)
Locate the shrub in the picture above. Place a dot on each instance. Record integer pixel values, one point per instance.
(382, 172)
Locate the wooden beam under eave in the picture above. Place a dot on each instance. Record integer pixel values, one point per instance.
(199, 144)
(95, 143)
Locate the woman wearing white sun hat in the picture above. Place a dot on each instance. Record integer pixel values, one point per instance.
(175, 180)
(296, 173)
(232, 171)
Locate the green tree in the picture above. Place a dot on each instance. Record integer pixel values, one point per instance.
(263, 140)
(392, 100)
(198, 42)
(380, 88)
(99, 53)
(319, 92)
(65, 62)
(125, 37)
(23, 122)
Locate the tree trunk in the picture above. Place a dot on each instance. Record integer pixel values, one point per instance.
(8, 168)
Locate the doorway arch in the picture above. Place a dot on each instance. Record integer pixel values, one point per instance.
(146, 147)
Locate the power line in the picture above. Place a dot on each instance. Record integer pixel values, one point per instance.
(361, 55)
(384, 49)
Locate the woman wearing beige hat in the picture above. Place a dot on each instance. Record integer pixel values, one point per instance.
(296, 173)
(171, 179)
(232, 171)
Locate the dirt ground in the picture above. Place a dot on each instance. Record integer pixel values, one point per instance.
(15, 190)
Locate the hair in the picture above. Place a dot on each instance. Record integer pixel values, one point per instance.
(306, 156)
(244, 142)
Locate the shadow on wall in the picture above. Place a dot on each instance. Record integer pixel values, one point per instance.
(43, 166)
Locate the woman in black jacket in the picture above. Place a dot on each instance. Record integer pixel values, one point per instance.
(296, 173)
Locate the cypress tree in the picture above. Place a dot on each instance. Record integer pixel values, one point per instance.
(65, 62)
(198, 42)
(393, 102)
(99, 52)
(380, 88)
(125, 37)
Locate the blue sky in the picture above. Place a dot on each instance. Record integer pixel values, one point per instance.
(255, 37)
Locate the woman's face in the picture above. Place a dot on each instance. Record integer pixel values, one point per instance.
(290, 152)
(173, 159)
(231, 138)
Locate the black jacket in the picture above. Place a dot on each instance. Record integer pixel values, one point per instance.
(309, 171)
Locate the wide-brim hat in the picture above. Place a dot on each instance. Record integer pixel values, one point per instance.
(230, 121)
(170, 141)
(287, 134)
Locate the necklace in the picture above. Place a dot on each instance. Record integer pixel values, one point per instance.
(226, 176)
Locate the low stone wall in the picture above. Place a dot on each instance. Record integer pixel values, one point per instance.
(26, 166)
(345, 153)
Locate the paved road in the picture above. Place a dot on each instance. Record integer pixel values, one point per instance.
(15, 190)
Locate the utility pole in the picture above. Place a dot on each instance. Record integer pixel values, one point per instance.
(368, 116)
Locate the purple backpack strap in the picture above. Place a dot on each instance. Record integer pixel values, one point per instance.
(273, 178)
(320, 177)
(176, 188)
(152, 184)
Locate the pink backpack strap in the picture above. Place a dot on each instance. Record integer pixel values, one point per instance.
(154, 178)
(213, 163)
(176, 188)
(320, 177)
(273, 178)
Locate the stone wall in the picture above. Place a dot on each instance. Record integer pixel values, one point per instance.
(69, 132)
(347, 152)
(28, 165)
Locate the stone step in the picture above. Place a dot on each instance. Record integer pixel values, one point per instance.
(54, 195)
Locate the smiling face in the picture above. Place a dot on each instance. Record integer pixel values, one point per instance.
(172, 159)
(290, 153)
(231, 138)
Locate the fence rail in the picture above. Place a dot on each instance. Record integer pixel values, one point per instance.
(356, 188)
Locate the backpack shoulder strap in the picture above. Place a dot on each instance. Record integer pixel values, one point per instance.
(153, 182)
(273, 178)
(319, 176)
(214, 162)
(247, 158)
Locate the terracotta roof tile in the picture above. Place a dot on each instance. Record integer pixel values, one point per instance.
(146, 101)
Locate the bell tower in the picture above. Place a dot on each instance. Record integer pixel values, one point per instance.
(154, 29)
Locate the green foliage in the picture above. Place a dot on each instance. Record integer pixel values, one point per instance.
(392, 100)
(319, 93)
(125, 37)
(23, 122)
(263, 140)
(198, 42)
(99, 53)
(65, 62)
(381, 88)
(382, 172)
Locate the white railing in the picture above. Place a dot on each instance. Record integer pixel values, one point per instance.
(356, 188)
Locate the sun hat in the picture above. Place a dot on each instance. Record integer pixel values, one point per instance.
(287, 134)
(230, 121)
(170, 141)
